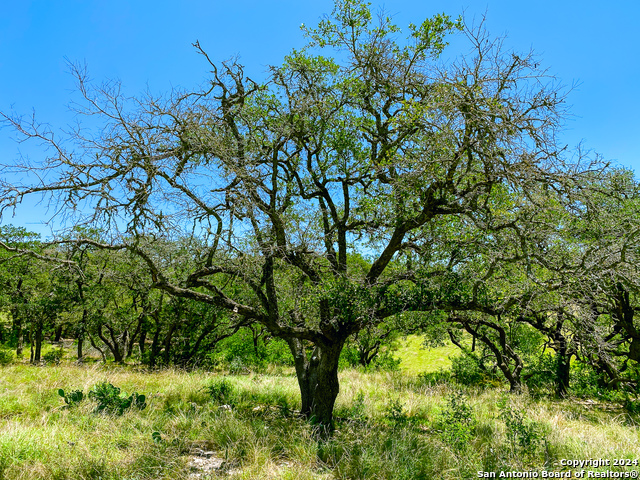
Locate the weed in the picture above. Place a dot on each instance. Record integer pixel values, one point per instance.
(238, 366)
(284, 407)
(469, 369)
(73, 443)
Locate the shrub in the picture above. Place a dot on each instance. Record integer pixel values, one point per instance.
(585, 381)
(469, 369)
(221, 391)
(541, 374)
(53, 356)
(110, 400)
(457, 422)
(6, 356)
(526, 434)
(385, 361)
(357, 409)
(428, 379)
(632, 405)
(466, 370)
(240, 352)
(395, 413)
(349, 357)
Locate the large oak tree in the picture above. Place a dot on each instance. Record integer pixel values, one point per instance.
(359, 143)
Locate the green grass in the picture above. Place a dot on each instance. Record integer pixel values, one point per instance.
(390, 426)
(415, 358)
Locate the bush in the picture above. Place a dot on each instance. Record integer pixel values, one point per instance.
(110, 400)
(541, 375)
(6, 356)
(457, 422)
(240, 353)
(54, 356)
(632, 406)
(385, 361)
(221, 391)
(349, 357)
(428, 379)
(467, 369)
(585, 381)
(526, 434)
(395, 413)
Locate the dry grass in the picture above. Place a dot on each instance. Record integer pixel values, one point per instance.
(260, 438)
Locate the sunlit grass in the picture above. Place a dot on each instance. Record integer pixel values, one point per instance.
(387, 427)
(416, 359)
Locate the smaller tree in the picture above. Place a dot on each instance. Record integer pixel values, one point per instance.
(28, 293)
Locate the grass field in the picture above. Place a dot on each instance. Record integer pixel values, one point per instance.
(416, 359)
(390, 425)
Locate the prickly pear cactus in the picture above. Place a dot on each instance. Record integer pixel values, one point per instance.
(72, 398)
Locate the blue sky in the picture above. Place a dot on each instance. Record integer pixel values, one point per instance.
(592, 44)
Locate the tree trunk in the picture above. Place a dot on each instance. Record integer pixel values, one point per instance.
(80, 342)
(113, 345)
(563, 365)
(82, 328)
(318, 381)
(58, 334)
(31, 346)
(623, 315)
(167, 344)
(367, 353)
(94, 345)
(134, 337)
(256, 337)
(504, 354)
(17, 333)
(38, 342)
(155, 346)
(142, 340)
(515, 382)
(17, 319)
